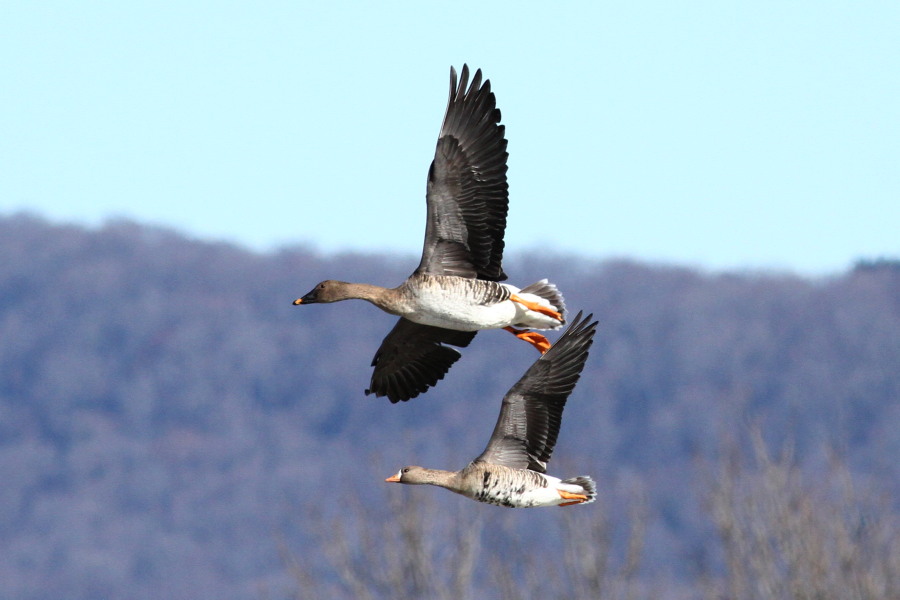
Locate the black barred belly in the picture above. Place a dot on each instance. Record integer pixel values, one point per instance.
(499, 492)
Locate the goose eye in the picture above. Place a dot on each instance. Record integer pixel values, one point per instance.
(406, 470)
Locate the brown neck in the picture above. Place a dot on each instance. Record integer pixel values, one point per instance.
(384, 298)
(445, 479)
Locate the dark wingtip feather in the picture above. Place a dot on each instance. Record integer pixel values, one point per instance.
(453, 81)
(476, 83)
(579, 333)
(463, 81)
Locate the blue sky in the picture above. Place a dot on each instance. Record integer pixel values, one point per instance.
(761, 135)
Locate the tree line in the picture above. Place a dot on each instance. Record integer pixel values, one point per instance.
(170, 424)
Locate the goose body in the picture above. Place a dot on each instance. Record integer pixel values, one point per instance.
(511, 471)
(457, 288)
(503, 486)
(452, 302)
(435, 310)
(474, 304)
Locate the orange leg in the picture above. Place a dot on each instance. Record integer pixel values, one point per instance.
(576, 498)
(535, 339)
(537, 308)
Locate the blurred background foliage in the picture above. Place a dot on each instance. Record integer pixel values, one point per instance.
(170, 426)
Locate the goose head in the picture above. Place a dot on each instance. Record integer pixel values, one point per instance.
(329, 290)
(414, 475)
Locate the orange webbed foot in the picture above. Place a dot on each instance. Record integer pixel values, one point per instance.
(537, 308)
(576, 498)
(535, 339)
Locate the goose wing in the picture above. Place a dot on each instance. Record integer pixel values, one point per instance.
(531, 412)
(413, 358)
(467, 194)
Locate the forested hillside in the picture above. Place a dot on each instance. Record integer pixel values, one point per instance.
(172, 427)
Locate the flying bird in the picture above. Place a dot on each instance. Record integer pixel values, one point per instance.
(512, 469)
(456, 290)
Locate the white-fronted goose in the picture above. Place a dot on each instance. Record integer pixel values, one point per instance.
(456, 289)
(511, 470)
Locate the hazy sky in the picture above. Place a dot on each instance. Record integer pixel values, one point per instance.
(765, 135)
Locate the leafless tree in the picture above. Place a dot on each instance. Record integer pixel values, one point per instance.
(787, 536)
(424, 548)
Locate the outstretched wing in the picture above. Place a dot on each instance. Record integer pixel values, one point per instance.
(413, 358)
(531, 413)
(467, 191)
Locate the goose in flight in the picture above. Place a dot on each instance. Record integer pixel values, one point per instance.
(456, 290)
(512, 470)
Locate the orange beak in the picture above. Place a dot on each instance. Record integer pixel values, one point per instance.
(393, 479)
(298, 301)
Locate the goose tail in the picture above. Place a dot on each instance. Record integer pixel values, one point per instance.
(587, 484)
(549, 292)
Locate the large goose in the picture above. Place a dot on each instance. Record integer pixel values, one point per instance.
(512, 469)
(456, 289)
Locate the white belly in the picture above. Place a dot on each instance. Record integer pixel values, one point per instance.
(452, 304)
(543, 496)
(463, 316)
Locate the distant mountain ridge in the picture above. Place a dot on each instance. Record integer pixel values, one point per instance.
(164, 409)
